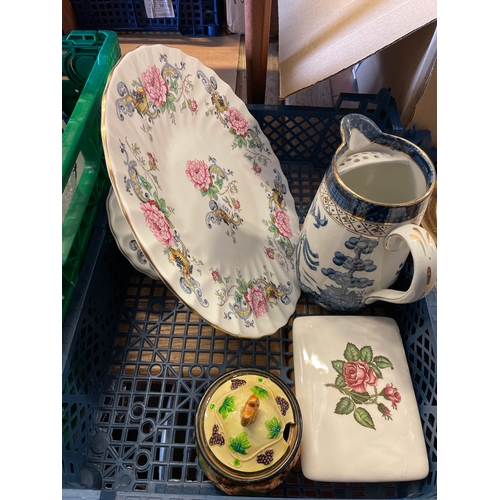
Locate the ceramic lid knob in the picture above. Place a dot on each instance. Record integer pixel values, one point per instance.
(250, 411)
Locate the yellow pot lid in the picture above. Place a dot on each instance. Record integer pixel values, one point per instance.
(232, 437)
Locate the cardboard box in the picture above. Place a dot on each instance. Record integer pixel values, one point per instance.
(395, 42)
(425, 117)
(407, 67)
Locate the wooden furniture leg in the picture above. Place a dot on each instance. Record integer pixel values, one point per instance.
(69, 22)
(257, 29)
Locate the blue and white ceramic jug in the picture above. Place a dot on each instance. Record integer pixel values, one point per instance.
(364, 221)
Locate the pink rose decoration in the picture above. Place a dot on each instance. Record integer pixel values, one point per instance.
(158, 223)
(237, 205)
(358, 375)
(282, 222)
(392, 394)
(270, 253)
(215, 275)
(152, 162)
(256, 169)
(198, 174)
(155, 86)
(386, 413)
(257, 300)
(237, 122)
(193, 106)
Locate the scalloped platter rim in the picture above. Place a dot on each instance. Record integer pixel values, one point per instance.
(202, 190)
(125, 239)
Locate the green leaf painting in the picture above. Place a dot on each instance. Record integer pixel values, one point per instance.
(366, 354)
(383, 362)
(376, 369)
(240, 443)
(260, 392)
(344, 406)
(227, 406)
(357, 378)
(274, 428)
(359, 398)
(364, 418)
(351, 352)
(338, 366)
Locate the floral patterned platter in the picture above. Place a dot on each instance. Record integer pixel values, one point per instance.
(201, 190)
(360, 414)
(125, 238)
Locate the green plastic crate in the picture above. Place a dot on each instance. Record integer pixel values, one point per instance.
(87, 59)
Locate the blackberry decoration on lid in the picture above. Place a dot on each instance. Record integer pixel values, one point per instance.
(248, 431)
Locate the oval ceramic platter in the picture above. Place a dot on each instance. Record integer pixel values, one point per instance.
(201, 190)
(125, 238)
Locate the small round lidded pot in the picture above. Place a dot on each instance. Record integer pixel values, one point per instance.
(248, 432)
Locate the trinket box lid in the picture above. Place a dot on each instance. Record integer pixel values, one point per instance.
(360, 414)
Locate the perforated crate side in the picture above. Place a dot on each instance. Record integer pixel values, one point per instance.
(312, 134)
(104, 14)
(417, 324)
(86, 340)
(195, 15)
(161, 23)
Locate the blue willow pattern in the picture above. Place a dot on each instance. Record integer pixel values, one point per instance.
(346, 291)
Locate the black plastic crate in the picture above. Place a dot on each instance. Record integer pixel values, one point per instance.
(137, 360)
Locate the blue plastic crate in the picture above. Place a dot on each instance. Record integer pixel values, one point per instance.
(157, 24)
(192, 17)
(199, 17)
(136, 360)
(105, 14)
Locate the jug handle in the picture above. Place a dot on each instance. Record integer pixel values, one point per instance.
(424, 253)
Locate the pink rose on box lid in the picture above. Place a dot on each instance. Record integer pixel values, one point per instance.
(358, 375)
(392, 394)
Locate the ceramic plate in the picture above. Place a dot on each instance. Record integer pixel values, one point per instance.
(202, 190)
(353, 385)
(125, 238)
